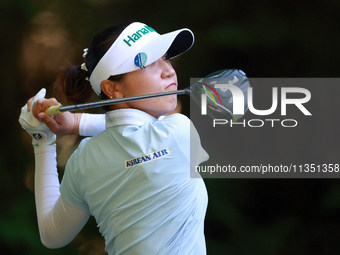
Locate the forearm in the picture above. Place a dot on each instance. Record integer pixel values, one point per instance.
(46, 184)
(46, 181)
(58, 221)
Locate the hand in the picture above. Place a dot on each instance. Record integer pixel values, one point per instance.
(40, 133)
(65, 123)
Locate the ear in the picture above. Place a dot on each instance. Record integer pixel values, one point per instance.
(111, 89)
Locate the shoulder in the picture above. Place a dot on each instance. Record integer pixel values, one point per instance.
(179, 125)
(83, 144)
(176, 117)
(175, 121)
(175, 125)
(78, 152)
(180, 128)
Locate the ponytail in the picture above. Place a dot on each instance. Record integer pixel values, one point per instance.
(73, 81)
(73, 84)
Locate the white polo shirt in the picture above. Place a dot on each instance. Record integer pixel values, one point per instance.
(134, 177)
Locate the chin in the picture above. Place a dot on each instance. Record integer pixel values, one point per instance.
(173, 109)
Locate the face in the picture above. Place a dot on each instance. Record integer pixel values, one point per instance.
(157, 77)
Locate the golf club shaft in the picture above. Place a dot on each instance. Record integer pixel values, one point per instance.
(60, 108)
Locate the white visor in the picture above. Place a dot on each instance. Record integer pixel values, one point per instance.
(136, 47)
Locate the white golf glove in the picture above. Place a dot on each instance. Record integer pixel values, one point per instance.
(39, 132)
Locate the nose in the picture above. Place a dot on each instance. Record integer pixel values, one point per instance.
(167, 69)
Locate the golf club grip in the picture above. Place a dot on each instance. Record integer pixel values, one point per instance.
(53, 110)
(59, 108)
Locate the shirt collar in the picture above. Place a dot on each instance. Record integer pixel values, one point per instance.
(127, 117)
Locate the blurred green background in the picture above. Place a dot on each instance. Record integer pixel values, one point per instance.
(263, 38)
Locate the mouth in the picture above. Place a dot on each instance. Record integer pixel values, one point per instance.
(171, 87)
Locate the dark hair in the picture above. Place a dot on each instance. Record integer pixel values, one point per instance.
(72, 82)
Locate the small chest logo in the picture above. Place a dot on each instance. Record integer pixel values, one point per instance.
(147, 157)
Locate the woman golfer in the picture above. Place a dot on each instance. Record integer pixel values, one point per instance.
(133, 175)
